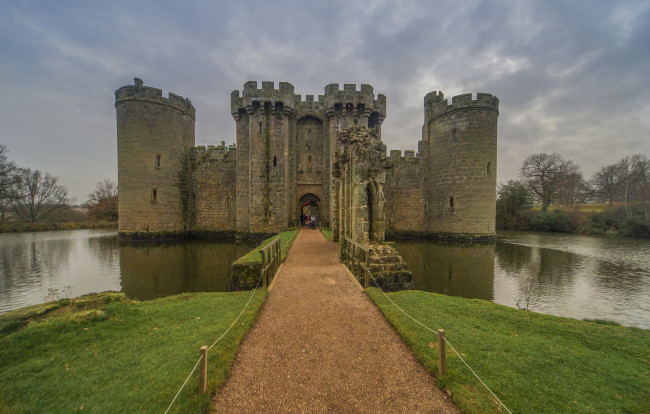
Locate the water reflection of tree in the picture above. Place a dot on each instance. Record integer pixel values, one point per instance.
(456, 269)
(153, 269)
(30, 264)
(105, 249)
(620, 278)
(538, 272)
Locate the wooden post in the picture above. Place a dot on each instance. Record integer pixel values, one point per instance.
(263, 268)
(203, 370)
(441, 352)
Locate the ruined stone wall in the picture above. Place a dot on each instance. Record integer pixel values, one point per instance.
(461, 160)
(215, 184)
(404, 192)
(360, 175)
(154, 135)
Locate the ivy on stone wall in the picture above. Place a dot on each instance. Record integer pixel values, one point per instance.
(187, 191)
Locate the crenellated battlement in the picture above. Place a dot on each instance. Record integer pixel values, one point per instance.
(409, 157)
(362, 98)
(435, 104)
(252, 97)
(139, 92)
(215, 153)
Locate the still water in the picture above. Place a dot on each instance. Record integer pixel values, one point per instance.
(565, 275)
(34, 264)
(560, 274)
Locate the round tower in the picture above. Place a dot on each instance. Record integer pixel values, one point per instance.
(460, 164)
(154, 135)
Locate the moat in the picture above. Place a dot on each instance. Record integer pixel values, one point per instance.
(566, 275)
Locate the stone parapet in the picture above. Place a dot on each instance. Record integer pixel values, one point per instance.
(251, 97)
(435, 104)
(138, 92)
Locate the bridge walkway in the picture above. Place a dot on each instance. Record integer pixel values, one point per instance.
(321, 345)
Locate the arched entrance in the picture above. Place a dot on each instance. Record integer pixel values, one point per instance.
(310, 205)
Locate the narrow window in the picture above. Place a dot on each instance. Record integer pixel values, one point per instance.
(228, 202)
(309, 160)
(260, 127)
(218, 181)
(453, 135)
(425, 208)
(275, 161)
(489, 169)
(154, 194)
(158, 161)
(309, 134)
(451, 202)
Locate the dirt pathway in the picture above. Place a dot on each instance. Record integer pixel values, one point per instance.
(320, 345)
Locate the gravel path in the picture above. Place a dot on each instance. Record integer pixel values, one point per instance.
(321, 345)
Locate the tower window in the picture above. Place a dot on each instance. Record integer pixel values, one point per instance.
(260, 127)
(453, 135)
(158, 161)
(275, 161)
(154, 195)
(309, 160)
(451, 201)
(309, 134)
(489, 169)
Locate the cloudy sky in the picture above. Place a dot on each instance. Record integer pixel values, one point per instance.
(573, 77)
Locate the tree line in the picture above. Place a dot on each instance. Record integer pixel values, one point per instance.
(551, 180)
(33, 196)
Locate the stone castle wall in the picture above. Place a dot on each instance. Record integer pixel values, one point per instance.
(285, 150)
(405, 208)
(460, 164)
(154, 133)
(215, 185)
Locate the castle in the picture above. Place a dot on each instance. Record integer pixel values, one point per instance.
(283, 164)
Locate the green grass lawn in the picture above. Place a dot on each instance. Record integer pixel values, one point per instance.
(327, 233)
(286, 239)
(123, 357)
(534, 363)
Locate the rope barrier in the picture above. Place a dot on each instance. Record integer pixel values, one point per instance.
(448, 343)
(226, 332)
(215, 342)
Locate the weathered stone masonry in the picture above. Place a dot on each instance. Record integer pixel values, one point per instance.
(284, 155)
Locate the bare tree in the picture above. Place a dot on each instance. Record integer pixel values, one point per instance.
(102, 203)
(630, 176)
(544, 173)
(8, 181)
(603, 184)
(572, 190)
(40, 197)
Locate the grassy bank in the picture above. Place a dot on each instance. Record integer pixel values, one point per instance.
(534, 363)
(327, 233)
(73, 225)
(121, 356)
(286, 239)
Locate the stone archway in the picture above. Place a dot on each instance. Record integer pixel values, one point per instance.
(310, 205)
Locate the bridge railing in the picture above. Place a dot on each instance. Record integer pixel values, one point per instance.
(357, 259)
(271, 259)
